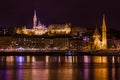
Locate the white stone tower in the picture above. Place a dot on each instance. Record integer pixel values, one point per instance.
(104, 34)
(34, 19)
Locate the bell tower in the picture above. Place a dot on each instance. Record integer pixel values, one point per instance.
(34, 19)
(104, 34)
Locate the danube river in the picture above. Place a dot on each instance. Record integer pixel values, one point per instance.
(59, 67)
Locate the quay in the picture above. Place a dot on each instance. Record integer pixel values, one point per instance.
(60, 53)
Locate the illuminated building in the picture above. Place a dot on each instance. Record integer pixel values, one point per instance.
(59, 29)
(98, 44)
(36, 30)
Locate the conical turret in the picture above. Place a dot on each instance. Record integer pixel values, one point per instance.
(96, 33)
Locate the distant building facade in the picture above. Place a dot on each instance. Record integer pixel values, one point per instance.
(59, 29)
(38, 28)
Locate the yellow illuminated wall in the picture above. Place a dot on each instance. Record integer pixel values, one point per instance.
(59, 29)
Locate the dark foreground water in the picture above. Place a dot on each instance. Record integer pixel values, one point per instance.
(59, 68)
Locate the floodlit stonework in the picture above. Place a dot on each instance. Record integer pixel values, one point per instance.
(38, 29)
(59, 29)
(97, 42)
(100, 43)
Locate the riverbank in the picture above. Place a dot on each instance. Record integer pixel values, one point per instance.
(60, 53)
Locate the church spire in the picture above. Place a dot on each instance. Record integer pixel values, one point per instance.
(103, 23)
(34, 19)
(104, 34)
(34, 12)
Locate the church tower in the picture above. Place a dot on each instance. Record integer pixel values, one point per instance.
(104, 37)
(34, 20)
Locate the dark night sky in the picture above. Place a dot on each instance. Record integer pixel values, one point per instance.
(78, 12)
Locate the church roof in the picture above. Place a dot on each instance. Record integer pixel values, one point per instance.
(96, 33)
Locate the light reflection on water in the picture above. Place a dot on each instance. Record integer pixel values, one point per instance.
(59, 67)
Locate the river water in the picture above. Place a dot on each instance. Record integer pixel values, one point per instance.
(59, 67)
